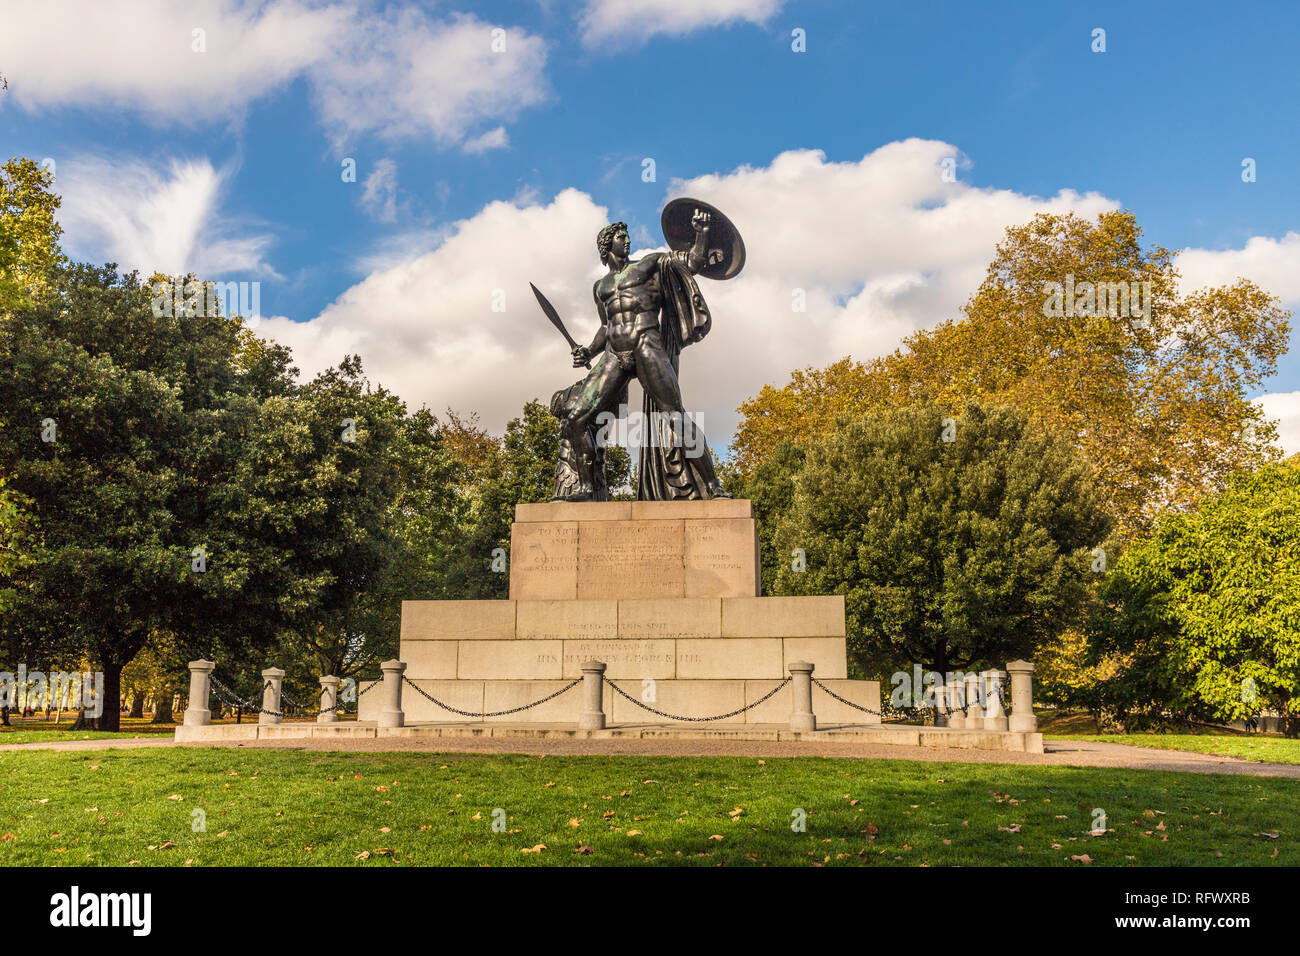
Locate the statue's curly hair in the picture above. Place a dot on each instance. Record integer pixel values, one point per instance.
(605, 239)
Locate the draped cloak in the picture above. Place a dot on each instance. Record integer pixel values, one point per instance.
(667, 473)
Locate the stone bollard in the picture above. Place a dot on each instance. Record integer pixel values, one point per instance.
(995, 715)
(940, 701)
(593, 687)
(802, 717)
(1022, 697)
(329, 700)
(956, 712)
(197, 713)
(391, 715)
(974, 711)
(271, 696)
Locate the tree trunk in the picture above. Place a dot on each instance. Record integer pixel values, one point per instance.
(4, 715)
(162, 714)
(137, 706)
(111, 719)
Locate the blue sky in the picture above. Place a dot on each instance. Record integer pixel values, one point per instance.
(480, 169)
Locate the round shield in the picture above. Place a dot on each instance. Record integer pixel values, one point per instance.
(726, 251)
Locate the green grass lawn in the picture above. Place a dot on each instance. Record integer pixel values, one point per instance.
(29, 730)
(1266, 749)
(134, 807)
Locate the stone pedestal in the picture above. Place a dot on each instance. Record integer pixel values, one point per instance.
(665, 594)
(272, 682)
(1022, 697)
(197, 714)
(329, 700)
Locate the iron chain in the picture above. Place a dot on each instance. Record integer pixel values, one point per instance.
(694, 720)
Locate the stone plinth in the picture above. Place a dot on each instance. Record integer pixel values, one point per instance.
(634, 549)
(665, 594)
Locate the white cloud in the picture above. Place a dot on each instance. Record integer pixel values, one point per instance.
(154, 218)
(1284, 408)
(880, 247)
(395, 73)
(492, 139)
(425, 327)
(379, 191)
(1273, 264)
(626, 22)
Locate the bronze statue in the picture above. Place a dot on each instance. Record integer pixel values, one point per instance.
(649, 310)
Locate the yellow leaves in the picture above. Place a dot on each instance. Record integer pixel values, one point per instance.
(575, 822)
(534, 849)
(735, 814)
(633, 833)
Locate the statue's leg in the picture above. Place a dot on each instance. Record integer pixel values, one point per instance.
(659, 379)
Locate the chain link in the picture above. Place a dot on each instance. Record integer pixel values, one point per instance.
(694, 720)
(499, 713)
(865, 710)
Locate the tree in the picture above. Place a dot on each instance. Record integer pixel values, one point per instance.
(948, 552)
(29, 234)
(1156, 401)
(1206, 611)
(126, 426)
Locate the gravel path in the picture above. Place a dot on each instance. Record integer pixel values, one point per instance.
(1060, 753)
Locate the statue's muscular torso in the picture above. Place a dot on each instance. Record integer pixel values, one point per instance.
(629, 302)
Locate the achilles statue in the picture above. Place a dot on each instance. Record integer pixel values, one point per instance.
(649, 310)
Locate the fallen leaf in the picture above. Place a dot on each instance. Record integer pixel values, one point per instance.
(574, 822)
(1084, 858)
(535, 849)
(584, 850)
(633, 832)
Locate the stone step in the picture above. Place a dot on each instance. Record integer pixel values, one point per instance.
(626, 619)
(711, 658)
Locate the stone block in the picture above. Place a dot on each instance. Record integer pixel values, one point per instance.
(693, 510)
(774, 710)
(669, 618)
(630, 659)
(721, 557)
(818, 616)
(685, 698)
(566, 620)
(544, 561)
(830, 712)
(630, 559)
(744, 658)
(343, 729)
(457, 620)
(501, 695)
(433, 660)
(575, 511)
(510, 660)
(461, 694)
(828, 655)
(244, 731)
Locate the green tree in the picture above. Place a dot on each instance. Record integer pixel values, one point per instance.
(125, 429)
(1205, 613)
(949, 553)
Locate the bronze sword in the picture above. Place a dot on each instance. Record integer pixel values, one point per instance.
(554, 317)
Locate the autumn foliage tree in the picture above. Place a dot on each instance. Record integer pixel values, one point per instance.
(1157, 402)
